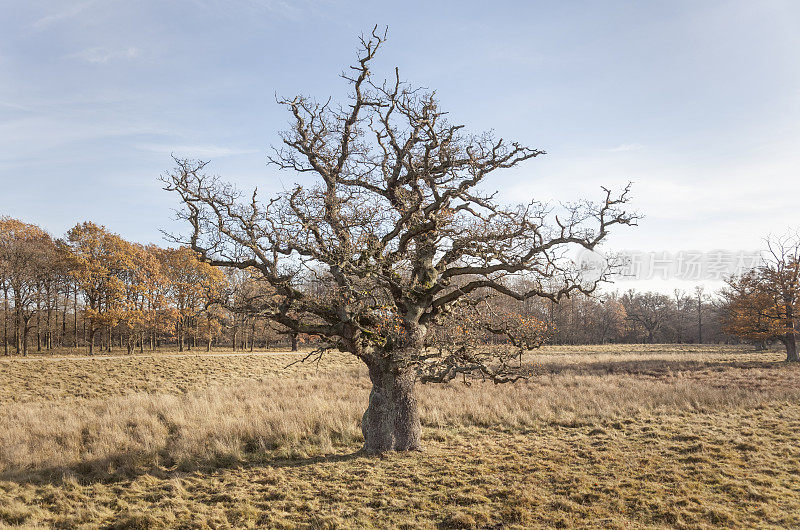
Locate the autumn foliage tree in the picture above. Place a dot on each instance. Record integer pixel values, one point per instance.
(763, 304)
(193, 286)
(140, 274)
(27, 254)
(104, 266)
(748, 310)
(130, 294)
(395, 226)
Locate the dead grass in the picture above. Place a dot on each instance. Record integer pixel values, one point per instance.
(57, 379)
(644, 437)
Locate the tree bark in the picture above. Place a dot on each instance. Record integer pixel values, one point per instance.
(210, 336)
(391, 422)
(179, 331)
(17, 343)
(48, 334)
(791, 347)
(62, 338)
(252, 334)
(38, 320)
(699, 320)
(24, 332)
(75, 316)
(20, 332)
(5, 321)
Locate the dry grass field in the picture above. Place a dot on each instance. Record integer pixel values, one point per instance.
(603, 436)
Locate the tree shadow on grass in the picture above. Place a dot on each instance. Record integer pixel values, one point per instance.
(654, 367)
(127, 466)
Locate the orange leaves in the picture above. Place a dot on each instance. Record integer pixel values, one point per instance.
(27, 255)
(137, 287)
(192, 283)
(102, 262)
(119, 279)
(763, 303)
(14, 229)
(389, 326)
(750, 312)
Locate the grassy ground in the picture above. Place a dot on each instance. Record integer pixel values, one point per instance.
(633, 436)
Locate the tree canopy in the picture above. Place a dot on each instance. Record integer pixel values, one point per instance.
(397, 231)
(763, 304)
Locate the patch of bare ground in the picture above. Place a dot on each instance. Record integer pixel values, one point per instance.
(645, 437)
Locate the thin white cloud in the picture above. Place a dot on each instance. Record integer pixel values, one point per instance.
(71, 12)
(625, 147)
(197, 151)
(40, 136)
(291, 10)
(9, 105)
(101, 55)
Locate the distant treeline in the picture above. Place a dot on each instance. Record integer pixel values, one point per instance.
(94, 289)
(637, 317)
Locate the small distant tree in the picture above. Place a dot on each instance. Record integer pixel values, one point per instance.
(611, 317)
(648, 312)
(698, 294)
(398, 229)
(763, 304)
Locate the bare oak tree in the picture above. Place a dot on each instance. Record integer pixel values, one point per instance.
(397, 230)
(648, 311)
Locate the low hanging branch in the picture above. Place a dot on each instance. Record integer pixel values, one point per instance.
(393, 235)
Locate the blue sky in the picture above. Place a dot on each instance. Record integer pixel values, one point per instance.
(697, 102)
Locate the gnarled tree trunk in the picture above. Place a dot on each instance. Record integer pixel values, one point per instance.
(391, 422)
